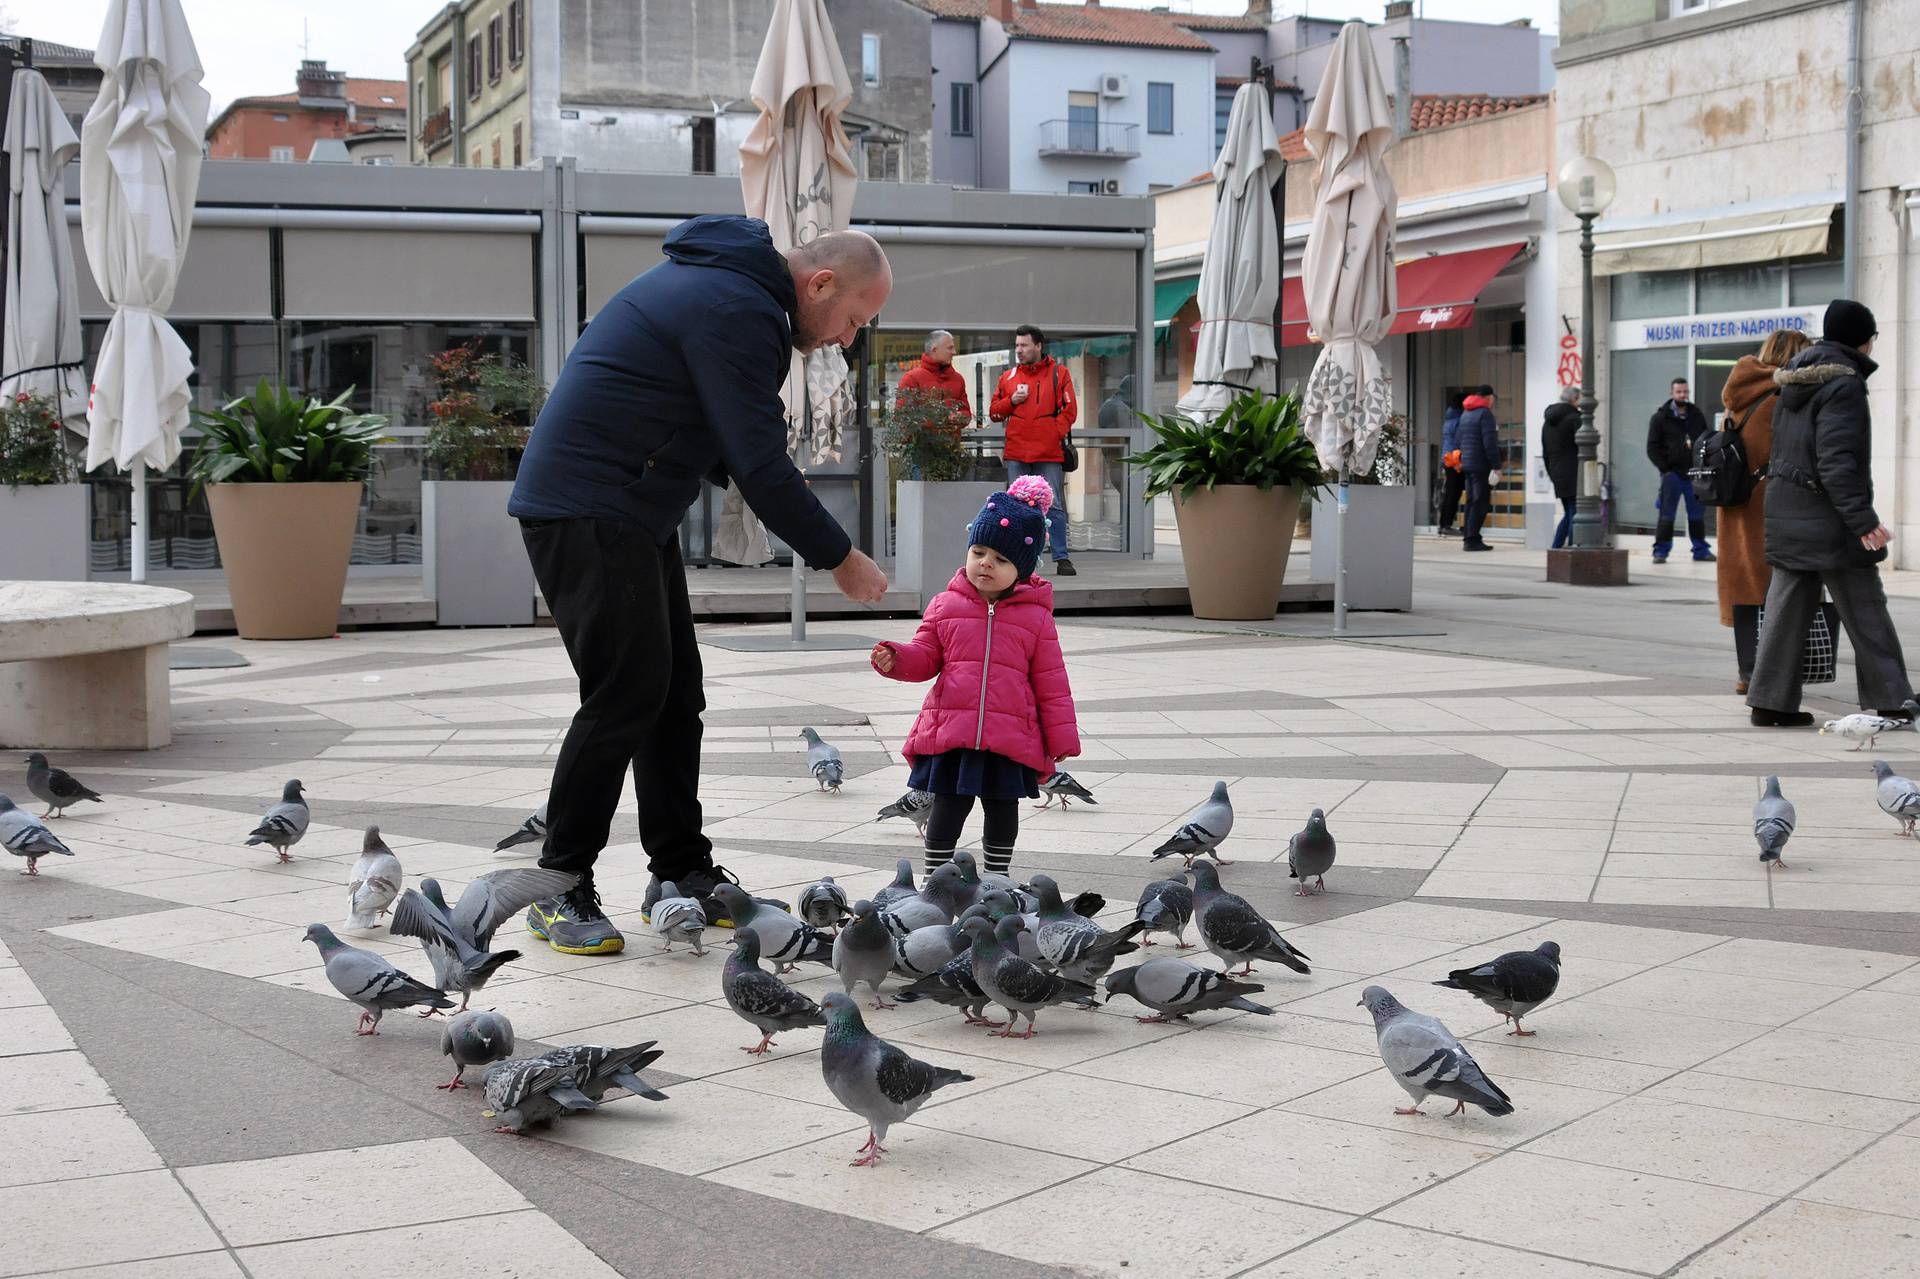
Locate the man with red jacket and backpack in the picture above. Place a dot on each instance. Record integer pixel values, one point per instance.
(1035, 398)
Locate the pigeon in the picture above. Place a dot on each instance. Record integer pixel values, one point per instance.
(1773, 824)
(824, 905)
(943, 896)
(872, 1078)
(971, 885)
(1899, 798)
(1310, 854)
(864, 951)
(456, 940)
(1062, 787)
(677, 917)
(370, 981)
(761, 998)
(24, 836)
(1173, 988)
(474, 1038)
(1234, 930)
(285, 824)
(1205, 829)
(1514, 984)
(373, 883)
(1863, 728)
(1073, 945)
(533, 1090)
(55, 787)
(925, 951)
(916, 806)
(1425, 1059)
(823, 761)
(1166, 906)
(955, 987)
(1010, 981)
(599, 1069)
(902, 885)
(784, 940)
(532, 831)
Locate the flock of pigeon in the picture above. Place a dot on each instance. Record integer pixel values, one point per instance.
(962, 939)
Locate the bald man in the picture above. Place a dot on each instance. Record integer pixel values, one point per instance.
(675, 381)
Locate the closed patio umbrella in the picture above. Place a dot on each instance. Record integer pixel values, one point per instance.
(42, 352)
(796, 172)
(1347, 269)
(139, 174)
(1240, 275)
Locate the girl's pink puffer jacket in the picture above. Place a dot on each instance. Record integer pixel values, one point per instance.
(1025, 710)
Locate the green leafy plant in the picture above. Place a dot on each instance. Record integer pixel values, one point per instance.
(1390, 457)
(482, 416)
(33, 443)
(276, 437)
(920, 434)
(1256, 440)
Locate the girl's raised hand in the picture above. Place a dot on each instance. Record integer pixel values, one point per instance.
(883, 659)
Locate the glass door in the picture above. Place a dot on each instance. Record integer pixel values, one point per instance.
(1083, 122)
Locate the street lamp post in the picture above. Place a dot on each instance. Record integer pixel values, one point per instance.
(1586, 187)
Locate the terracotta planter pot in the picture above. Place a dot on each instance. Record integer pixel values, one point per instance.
(284, 548)
(1234, 541)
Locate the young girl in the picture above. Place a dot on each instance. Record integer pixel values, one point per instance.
(1000, 713)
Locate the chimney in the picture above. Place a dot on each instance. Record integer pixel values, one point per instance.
(1261, 9)
(1397, 9)
(1029, 5)
(315, 81)
(1001, 11)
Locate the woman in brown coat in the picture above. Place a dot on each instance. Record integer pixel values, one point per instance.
(1742, 572)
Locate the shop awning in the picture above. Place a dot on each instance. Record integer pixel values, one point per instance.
(1170, 295)
(1726, 237)
(1434, 293)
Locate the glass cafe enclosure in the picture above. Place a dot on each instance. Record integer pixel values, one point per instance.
(330, 277)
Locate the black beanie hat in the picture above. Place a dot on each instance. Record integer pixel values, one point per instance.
(1848, 323)
(1014, 523)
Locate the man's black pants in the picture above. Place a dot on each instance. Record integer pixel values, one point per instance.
(1479, 503)
(619, 600)
(1452, 484)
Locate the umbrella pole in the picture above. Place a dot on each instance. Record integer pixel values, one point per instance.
(139, 521)
(1340, 556)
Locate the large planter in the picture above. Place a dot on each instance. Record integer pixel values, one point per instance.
(1379, 531)
(476, 566)
(43, 532)
(930, 530)
(1234, 540)
(284, 549)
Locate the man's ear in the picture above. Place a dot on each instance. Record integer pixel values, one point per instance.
(822, 282)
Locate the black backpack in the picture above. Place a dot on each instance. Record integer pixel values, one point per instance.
(1721, 474)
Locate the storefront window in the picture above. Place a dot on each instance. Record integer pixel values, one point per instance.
(1814, 283)
(1644, 294)
(1754, 287)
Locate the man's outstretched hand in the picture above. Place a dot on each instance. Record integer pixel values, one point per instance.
(860, 579)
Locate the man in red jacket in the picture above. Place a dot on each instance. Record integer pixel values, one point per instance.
(1035, 399)
(935, 372)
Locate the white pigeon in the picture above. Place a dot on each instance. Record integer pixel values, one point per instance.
(678, 918)
(1862, 728)
(1898, 797)
(373, 883)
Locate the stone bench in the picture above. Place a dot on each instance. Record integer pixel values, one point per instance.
(83, 665)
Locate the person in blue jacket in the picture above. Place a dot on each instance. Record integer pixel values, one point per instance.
(1452, 483)
(1479, 437)
(675, 382)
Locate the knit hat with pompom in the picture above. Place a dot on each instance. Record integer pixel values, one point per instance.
(1014, 523)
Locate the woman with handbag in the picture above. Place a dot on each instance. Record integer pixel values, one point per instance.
(1822, 530)
(1742, 572)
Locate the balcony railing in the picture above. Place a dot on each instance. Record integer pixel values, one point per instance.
(436, 128)
(1088, 137)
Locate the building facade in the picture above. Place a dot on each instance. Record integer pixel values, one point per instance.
(662, 87)
(325, 105)
(69, 72)
(1726, 126)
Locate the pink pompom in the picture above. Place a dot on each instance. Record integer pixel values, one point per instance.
(1029, 541)
(1034, 491)
(1005, 523)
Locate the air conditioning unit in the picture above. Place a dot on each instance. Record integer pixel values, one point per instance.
(1113, 85)
(1110, 186)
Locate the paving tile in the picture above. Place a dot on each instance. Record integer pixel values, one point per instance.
(93, 1221)
(32, 1030)
(1066, 1036)
(1623, 891)
(1220, 1232)
(1379, 1250)
(1086, 1118)
(1322, 1162)
(1254, 1071)
(1506, 885)
(1333, 945)
(1884, 1178)
(17, 989)
(550, 1007)
(1622, 943)
(927, 1178)
(680, 1135)
(1814, 1104)
(515, 1245)
(34, 1083)
(1727, 996)
(1457, 924)
(63, 1144)
(1642, 1035)
(164, 928)
(1873, 1014)
(1807, 1238)
(258, 1201)
(1371, 1099)
(199, 1265)
(1580, 1211)
(1846, 1063)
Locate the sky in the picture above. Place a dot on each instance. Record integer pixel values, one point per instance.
(254, 46)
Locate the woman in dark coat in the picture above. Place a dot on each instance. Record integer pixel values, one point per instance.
(1822, 529)
(1742, 573)
(1562, 457)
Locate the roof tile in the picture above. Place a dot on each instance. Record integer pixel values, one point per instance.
(1430, 111)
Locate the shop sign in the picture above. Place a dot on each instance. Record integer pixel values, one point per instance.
(1685, 330)
(1434, 316)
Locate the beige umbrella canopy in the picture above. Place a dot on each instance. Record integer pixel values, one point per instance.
(1347, 270)
(42, 352)
(1240, 275)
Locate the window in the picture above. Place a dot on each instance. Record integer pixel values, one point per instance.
(516, 32)
(1813, 284)
(379, 159)
(1083, 122)
(279, 117)
(1754, 286)
(882, 161)
(496, 150)
(869, 58)
(419, 104)
(1640, 295)
(495, 48)
(280, 155)
(519, 156)
(961, 124)
(1083, 188)
(1222, 112)
(703, 145)
(476, 158)
(473, 68)
(1159, 108)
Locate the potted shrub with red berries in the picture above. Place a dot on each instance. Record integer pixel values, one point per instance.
(44, 509)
